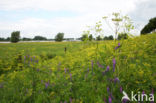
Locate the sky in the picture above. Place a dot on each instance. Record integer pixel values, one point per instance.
(48, 17)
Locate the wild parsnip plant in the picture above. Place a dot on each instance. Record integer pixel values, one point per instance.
(82, 76)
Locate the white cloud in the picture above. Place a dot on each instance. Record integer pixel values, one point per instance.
(90, 11)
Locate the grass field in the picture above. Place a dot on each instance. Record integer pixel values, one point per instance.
(91, 72)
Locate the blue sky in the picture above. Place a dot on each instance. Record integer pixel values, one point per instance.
(48, 17)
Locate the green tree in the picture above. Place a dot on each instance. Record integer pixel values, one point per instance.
(98, 38)
(122, 36)
(39, 38)
(59, 37)
(90, 37)
(15, 36)
(151, 26)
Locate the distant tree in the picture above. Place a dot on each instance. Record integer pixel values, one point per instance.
(105, 38)
(8, 39)
(90, 37)
(84, 37)
(108, 38)
(26, 39)
(2, 39)
(39, 38)
(122, 36)
(15, 36)
(151, 26)
(98, 38)
(59, 37)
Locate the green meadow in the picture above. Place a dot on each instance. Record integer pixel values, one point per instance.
(88, 72)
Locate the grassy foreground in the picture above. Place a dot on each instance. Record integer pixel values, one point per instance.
(85, 74)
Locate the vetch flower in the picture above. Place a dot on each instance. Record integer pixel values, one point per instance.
(110, 99)
(119, 44)
(46, 84)
(70, 100)
(124, 101)
(114, 63)
(99, 65)
(108, 89)
(65, 70)
(70, 76)
(92, 65)
(121, 89)
(116, 80)
(107, 69)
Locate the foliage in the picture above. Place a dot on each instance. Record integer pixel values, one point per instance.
(15, 36)
(151, 26)
(59, 37)
(37, 38)
(98, 38)
(90, 37)
(122, 36)
(108, 37)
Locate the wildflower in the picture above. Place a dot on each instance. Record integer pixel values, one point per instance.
(71, 76)
(46, 84)
(88, 70)
(116, 80)
(118, 44)
(92, 66)
(37, 70)
(124, 101)
(121, 89)
(110, 99)
(65, 70)
(107, 68)
(103, 73)
(99, 65)
(108, 89)
(114, 63)
(65, 102)
(36, 61)
(70, 100)
(31, 60)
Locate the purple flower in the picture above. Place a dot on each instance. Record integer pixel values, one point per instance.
(121, 89)
(71, 76)
(124, 101)
(37, 70)
(103, 73)
(92, 65)
(88, 70)
(114, 63)
(36, 61)
(108, 89)
(143, 92)
(116, 47)
(116, 80)
(31, 60)
(118, 44)
(99, 65)
(46, 84)
(107, 68)
(70, 100)
(110, 99)
(152, 91)
(65, 102)
(65, 70)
